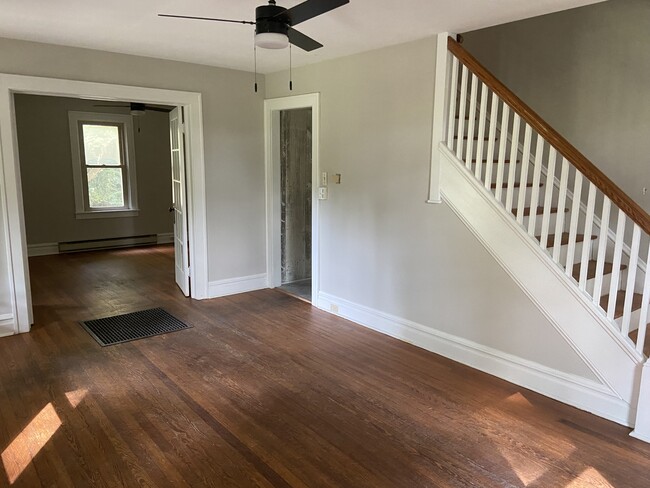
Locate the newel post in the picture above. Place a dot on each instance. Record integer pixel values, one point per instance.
(642, 426)
(440, 112)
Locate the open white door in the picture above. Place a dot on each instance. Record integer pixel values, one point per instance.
(179, 200)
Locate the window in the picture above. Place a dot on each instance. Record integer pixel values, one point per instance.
(103, 162)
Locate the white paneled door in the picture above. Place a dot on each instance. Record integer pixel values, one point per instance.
(179, 200)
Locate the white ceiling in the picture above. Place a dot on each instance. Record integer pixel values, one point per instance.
(132, 26)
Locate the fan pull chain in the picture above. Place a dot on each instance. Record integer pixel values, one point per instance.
(255, 58)
(290, 71)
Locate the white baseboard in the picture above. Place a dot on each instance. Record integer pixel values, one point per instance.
(232, 286)
(45, 249)
(166, 238)
(7, 325)
(567, 388)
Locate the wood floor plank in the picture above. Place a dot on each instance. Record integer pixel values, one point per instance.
(267, 391)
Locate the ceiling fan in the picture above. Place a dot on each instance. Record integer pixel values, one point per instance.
(274, 24)
(135, 107)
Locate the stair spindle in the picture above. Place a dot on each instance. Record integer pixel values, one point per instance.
(512, 167)
(573, 224)
(643, 317)
(537, 176)
(525, 162)
(502, 151)
(489, 158)
(602, 249)
(469, 154)
(453, 89)
(631, 278)
(548, 197)
(461, 113)
(481, 130)
(618, 253)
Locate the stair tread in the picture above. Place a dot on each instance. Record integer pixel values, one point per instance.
(516, 185)
(591, 269)
(540, 211)
(620, 301)
(505, 161)
(565, 239)
(476, 138)
(646, 347)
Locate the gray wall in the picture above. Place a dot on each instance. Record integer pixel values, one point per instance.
(587, 72)
(233, 120)
(46, 173)
(381, 245)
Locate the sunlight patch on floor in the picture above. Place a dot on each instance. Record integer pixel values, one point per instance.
(590, 477)
(75, 397)
(17, 456)
(527, 470)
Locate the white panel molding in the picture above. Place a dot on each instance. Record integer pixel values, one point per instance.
(7, 325)
(612, 359)
(232, 286)
(571, 389)
(642, 426)
(44, 249)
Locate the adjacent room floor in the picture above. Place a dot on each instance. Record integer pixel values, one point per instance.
(265, 390)
(301, 289)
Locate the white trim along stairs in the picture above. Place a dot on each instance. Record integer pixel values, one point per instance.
(571, 240)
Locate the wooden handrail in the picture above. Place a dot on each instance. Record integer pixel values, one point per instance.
(564, 147)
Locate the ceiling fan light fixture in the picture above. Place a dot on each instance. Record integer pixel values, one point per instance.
(271, 40)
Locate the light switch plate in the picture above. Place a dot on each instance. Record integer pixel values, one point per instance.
(323, 178)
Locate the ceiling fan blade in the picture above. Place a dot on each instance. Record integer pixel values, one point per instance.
(310, 9)
(206, 18)
(302, 41)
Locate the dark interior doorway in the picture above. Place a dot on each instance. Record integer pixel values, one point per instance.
(296, 201)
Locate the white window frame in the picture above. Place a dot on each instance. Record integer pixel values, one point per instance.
(82, 206)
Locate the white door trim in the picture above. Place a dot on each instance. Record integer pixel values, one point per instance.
(272, 110)
(11, 204)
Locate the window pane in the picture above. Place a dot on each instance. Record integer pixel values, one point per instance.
(105, 187)
(101, 145)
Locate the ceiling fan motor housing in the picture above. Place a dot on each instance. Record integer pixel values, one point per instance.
(268, 18)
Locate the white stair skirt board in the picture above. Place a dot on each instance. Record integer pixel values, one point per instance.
(579, 392)
(7, 325)
(232, 286)
(611, 358)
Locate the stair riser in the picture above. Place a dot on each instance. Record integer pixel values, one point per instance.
(634, 322)
(539, 221)
(506, 169)
(515, 194)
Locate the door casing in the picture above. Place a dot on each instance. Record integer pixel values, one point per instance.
(11, 203)
(272, 109)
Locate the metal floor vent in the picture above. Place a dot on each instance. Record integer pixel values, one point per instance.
(132, 326)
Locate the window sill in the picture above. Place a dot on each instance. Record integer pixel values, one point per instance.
(107, 214)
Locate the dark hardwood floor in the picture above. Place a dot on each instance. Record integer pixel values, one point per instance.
(265, 390)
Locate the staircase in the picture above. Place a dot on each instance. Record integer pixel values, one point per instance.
(528, 194)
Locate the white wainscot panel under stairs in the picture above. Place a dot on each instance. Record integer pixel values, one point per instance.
(571, 311)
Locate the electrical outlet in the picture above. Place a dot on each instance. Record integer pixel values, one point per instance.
(322, 193)
(334, 308)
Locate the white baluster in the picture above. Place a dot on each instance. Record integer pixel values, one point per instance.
(453, 93)
(489, 158)
(461, 113)
(548, 197)
(643, 319)
(502, 150)
(616, 270)
(472, 120)
(631, 280)
(525, 162)
(559, 218)
(603, 239)
(512, 167)
(573, 224)
(537, 176)
(481, 130)
(589, 225)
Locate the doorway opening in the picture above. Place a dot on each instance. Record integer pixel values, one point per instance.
(96, 175)
(14, 259)
(291, 126)
(296, 201)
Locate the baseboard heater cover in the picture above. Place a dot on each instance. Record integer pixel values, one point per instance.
(112, 243)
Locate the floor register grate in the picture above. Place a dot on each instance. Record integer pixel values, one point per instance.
(132, 326)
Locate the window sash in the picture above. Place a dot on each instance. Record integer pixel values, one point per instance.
(122, 166)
